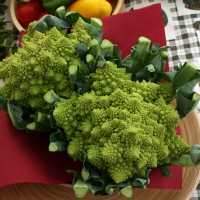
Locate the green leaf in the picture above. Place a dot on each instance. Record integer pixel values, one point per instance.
(140, 183)
(14, 49)
(3, 103)
(57, 136)
(146, 61)
(1, 40)
(186, 73)
(147, 73)
(49, 21)
(169, 76)
(72, 17)
(139, 54)
(16, 113)
(82, 51)
(195, 154)
(165, 171)
(101, 61)
(184, 161)
(110, 188)
(184, 105)
(187, 89)
(189, 159)
(97, 186)
(127, 62)
(94, 32)
(117, 54)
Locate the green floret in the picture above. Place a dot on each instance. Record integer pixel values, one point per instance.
(79, 35)
(94, 156)
(166, 91)
(42, 64)
(147, 90)
(75, 148)
(120, 131)
(109, 78)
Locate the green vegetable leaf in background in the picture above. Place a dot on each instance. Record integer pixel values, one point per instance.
(3, 7)
(189, 159)
(7, 37)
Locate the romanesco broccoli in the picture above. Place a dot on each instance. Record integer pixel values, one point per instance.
(124, 129)
(41, 65)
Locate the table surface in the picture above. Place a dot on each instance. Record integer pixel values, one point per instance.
(182, 29)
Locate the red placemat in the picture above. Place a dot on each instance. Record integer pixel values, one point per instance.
(24, 156)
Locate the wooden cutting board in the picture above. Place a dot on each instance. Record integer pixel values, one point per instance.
(190, 131)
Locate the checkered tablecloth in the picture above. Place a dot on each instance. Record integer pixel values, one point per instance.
(186, 43)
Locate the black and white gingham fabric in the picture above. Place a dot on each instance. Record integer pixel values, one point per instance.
(185, 46)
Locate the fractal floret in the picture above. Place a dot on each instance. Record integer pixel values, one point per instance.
(42, 64)
(123, 128)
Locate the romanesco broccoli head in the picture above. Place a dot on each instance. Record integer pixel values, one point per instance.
(42, 64)
(124, 131)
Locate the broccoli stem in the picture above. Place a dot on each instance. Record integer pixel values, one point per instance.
(80, 188)
(51, 97)
(91, 63)
(61, 12)
(34, 126)
(94, 48)
(73, 71)
(42, 117)
(107, 47)
(57, 146)
(127, 191)
(139, 54)
(96, 22)
(196, 97)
